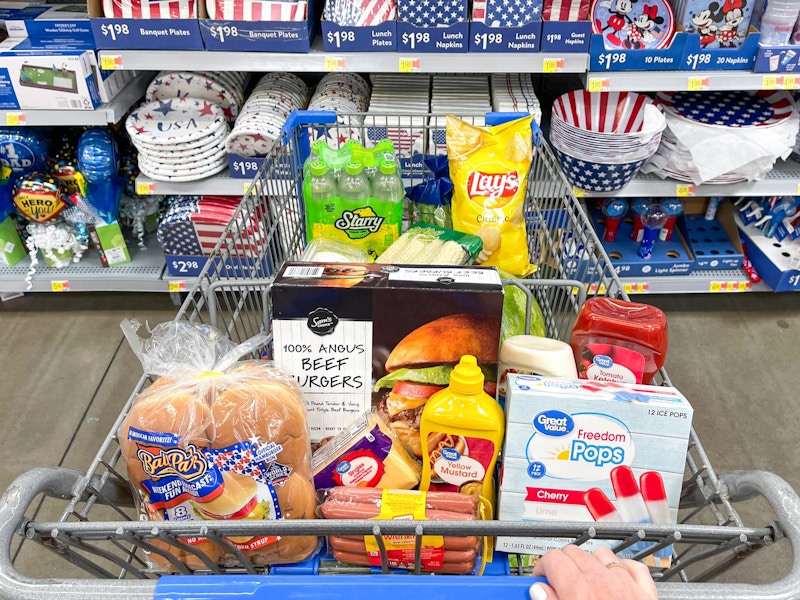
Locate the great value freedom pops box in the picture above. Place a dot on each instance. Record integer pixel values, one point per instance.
(586, 451)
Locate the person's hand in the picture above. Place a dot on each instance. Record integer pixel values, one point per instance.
(574, 574)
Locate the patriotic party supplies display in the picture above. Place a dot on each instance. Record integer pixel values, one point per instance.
(565, 10)
(150, 9)
(360, 13)
(257, 10)
(432, 13)
(193, 225)
(270, 103)
(506, 13)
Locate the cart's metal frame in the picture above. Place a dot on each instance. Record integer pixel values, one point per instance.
(98, 531)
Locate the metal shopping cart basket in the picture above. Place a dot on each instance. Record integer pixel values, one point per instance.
(94, 527)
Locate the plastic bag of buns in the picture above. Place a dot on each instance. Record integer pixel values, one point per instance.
(217, 438)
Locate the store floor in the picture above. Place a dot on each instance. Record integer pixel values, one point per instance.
(67, 371)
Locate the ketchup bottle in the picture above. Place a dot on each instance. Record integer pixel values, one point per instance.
(620, 341)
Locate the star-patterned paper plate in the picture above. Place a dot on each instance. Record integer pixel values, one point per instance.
(172, 156)
(191, 175)
(193, 147)
(730, 109)
(182, 162)
(185, 84)
(173, 121)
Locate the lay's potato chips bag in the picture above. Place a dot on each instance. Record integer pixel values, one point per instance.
(489, 167)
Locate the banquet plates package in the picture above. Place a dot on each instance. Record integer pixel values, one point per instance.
(223, 88)
(348, 95)
(179, 139)
(754, 128)
(258, 127)
(257, 10)
(602, 139)
(150, 9)
(146, 25)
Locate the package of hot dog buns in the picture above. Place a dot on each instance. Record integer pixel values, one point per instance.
(217, 438)
(457, 555)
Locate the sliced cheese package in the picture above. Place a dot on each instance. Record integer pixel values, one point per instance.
(366, 454)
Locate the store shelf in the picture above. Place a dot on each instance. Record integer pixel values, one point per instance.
(657, 81)
(105, 114)
(218, 185)
(699, 282)
(783, 180)
(364, 62)
(142, 274)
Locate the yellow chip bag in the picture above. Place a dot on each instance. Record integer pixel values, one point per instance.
(489, 168)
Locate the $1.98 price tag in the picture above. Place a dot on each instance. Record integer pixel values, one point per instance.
(15, 118)
(410, 65)
(110, 62)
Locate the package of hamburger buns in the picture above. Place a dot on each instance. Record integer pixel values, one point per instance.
(217, 438)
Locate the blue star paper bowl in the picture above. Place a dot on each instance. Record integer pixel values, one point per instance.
(595, 176)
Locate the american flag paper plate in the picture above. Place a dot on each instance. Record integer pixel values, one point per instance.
(257, 10)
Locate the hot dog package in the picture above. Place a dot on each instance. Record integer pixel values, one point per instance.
(489, 167)
(458, 555)
(215, 438)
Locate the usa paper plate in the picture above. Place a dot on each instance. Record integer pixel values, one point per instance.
(647, 24)
(193, 146)
(174, 121)
(200, 174)
(730, 109)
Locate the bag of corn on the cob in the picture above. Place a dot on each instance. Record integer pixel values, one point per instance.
(428, 244)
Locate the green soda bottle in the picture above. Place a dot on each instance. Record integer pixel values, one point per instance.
(388, 198)
(320, 200)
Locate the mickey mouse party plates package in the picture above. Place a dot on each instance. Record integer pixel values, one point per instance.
(216, 438)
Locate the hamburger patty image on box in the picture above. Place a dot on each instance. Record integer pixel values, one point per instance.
(388, 341)
(420, 365)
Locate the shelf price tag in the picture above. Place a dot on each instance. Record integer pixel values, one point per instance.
(597, 289)
(553, 65)
(698, 84)
(682, 191)
(410, 65)
(636, 288)
(578, 192)
(111, 62)
(596, 84)
(769, 82)
(145, 188)
(177, 286)
(59, 286)
(333, 63)
(15, 118)
(789, 82)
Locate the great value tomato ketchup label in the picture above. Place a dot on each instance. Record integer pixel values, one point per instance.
(607, 362)
(458, 463)
(400, 549)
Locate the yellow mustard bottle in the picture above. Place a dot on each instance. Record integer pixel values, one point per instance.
(462, 430)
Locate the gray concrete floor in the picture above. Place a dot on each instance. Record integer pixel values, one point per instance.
(67, 371)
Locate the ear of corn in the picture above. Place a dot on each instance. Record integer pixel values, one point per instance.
(421, 246)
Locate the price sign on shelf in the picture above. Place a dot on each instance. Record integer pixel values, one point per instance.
(769, 82)
(59, 286)
(729, 286)
(682, 190)
(332, 63)
(111, 62)
(553, 65)
(597, 84)
(578, 192)
(177, 286)
(698, 84)
(789, 82)
(145, 188)
(410, 65)
(636, 288)
(15, 118)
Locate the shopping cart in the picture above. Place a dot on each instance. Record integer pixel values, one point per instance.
(93, 525)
